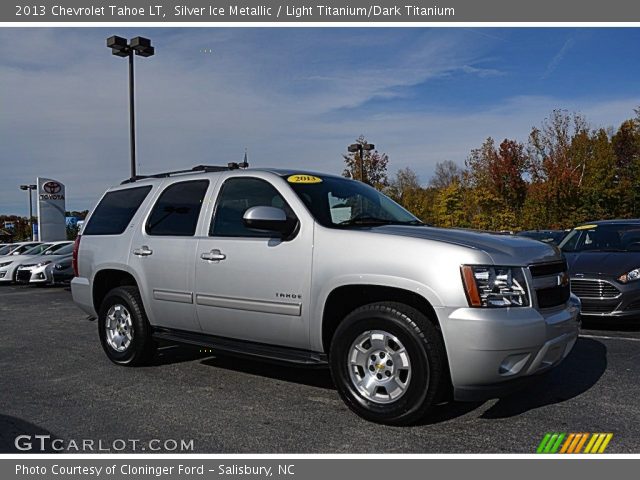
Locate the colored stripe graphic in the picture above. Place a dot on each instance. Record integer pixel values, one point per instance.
(556, 442)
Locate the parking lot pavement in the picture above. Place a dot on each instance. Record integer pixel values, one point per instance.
(56, 380)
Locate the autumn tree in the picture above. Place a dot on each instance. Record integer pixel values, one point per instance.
(445, 174)
(374, 166)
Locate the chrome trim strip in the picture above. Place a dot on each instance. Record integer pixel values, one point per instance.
(173, 296)
(292, 309)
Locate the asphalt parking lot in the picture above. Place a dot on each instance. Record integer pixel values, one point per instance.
(57, 381)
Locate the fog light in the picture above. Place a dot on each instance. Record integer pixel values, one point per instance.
(513, 364)
(2, 274)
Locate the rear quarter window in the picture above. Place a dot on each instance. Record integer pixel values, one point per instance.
(115, 211)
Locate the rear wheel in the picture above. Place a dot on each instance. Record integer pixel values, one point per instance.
(124, 330)
(388, 362)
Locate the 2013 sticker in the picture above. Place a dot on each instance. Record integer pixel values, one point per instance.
(303, 179)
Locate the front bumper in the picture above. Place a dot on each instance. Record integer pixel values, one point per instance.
(33, 275)
(491, 351)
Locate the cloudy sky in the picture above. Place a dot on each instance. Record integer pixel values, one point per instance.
(294, 97)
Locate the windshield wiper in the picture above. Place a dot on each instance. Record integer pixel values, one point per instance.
(365, 220)
(370, 220)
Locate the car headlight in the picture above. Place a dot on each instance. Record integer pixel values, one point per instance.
(491, 286)
(42, 264)
(5, 264)
(631, 276)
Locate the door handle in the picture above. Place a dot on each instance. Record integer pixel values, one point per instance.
(143, 251)
(214, 255)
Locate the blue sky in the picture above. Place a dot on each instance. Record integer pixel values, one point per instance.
(294, 97)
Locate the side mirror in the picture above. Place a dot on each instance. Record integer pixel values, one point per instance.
(269, 219)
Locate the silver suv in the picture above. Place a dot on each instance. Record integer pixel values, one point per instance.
(317, 270)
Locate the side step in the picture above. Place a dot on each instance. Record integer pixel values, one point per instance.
(244, 348)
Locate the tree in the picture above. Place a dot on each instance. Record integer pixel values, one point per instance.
(446, 173)
(557, 168)
(405, 189)
(374, 166)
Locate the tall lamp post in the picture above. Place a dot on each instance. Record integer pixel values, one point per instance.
(29, 189)
(119, 47)
(360, 148)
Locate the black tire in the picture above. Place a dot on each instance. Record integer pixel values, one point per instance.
(141, 348)
(424, 346)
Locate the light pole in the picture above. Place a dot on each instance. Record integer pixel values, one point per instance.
(29, 189)
(360, 148)
(119, 47)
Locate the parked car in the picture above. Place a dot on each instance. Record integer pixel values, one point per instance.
(320, 270)
(36, 270)
(553, 237)
(62, 270)
(9, 264)
(16, 248)
(604, 264)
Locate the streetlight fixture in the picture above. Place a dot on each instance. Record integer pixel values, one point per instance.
(360, 148)
(29, 189)
(142, 47)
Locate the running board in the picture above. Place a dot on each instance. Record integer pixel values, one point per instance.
(243, 348)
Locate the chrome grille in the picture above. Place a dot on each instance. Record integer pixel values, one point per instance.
(591, 288)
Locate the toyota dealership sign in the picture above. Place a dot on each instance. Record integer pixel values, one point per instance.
(51, 210)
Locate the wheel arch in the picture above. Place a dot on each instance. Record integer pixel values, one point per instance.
(345, 298)
(108, 278)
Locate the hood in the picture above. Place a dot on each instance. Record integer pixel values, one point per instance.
(503, 249)
(15, 258)
(611, 264)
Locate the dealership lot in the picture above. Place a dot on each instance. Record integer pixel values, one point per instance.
(57, 381)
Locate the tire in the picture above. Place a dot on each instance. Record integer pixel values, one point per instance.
(136, 348)
(405, 389)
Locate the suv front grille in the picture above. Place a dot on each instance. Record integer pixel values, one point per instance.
(592, 288)
(548, 279)
(546, 269)
(554, 296)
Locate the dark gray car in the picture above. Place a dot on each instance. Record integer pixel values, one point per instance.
(604, 265)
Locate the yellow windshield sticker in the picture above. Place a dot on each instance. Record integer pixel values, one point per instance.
(586, 227)
(303, 179)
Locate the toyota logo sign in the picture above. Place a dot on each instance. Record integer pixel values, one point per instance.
(52, 187)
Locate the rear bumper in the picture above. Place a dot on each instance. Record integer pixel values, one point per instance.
(82, 295)
(493, 351)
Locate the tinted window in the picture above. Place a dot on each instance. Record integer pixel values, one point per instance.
(115, 211)
(177, 210)
(236, 197)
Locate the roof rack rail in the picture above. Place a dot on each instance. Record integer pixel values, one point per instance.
(197, 168)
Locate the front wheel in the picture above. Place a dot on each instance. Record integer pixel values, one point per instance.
(388, 362)
(124, 330)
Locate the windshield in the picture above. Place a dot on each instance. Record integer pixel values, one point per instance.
(37, 250)
(6, 249)
(343, 203)
(66, 249)
(603, 238)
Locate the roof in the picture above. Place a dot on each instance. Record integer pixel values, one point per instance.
(616, 221)
(202, 170)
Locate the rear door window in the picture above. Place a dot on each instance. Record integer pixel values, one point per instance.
(115, 211)
(177, 210)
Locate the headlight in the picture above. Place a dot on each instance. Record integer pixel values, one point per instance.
(626, 278)
(495, 286)
(42, 264)
(5, 264)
